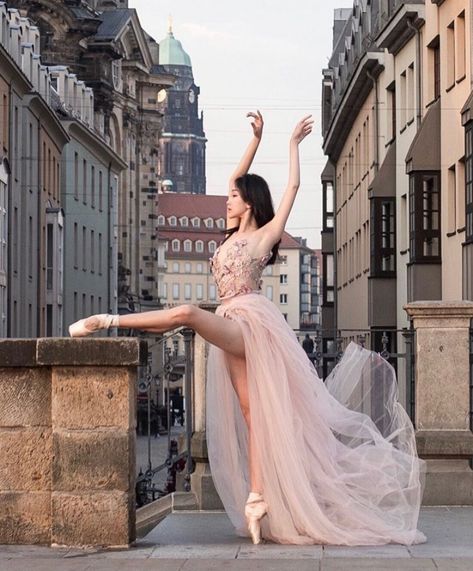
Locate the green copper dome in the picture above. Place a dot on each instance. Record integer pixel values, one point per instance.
(171, 52)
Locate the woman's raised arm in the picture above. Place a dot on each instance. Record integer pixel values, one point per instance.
(275, 228)
(250, 152)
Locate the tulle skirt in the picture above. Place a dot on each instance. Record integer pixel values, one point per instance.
(338, 459)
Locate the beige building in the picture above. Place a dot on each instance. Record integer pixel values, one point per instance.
(190, 230)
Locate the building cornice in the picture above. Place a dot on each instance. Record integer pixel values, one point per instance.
(95, 144)
(12, 73)
(395, 35)
(47, 116)
(355, 94)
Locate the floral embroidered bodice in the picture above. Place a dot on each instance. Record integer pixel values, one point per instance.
(235, 272)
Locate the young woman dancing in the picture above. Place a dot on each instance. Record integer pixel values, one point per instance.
(294, 460)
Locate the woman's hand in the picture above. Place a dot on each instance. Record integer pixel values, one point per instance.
(257, 123)
(302, 129)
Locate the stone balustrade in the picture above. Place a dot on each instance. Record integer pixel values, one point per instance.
(67, 440)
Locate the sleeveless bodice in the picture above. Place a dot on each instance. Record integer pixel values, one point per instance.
(235, 272)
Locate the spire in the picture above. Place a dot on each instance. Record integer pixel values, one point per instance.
(170, 25)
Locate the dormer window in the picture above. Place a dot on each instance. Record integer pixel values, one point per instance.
(199, 246)
(187, 246)
(176, 246)
(172, 221)
(196, 222)
(221, 223)
(184, 221)
(209, 222)
(212, 246)
(161, 220)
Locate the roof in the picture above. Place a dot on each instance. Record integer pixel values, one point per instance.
(202, 206)
(171, 52)
(113, 22)
(424, 152)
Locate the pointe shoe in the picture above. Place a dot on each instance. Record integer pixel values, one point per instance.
(91, 324)
(255, 509)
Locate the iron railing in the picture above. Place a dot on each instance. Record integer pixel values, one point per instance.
(329, 346)
(155, 419)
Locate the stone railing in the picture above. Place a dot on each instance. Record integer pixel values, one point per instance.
(67, 440)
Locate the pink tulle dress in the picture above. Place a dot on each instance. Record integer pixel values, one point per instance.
(338, 459)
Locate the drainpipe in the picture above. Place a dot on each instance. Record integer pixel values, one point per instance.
(418, 65)
(109, 240)
(376, 120)
(40, 274)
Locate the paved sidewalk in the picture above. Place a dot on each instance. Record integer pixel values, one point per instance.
(206, 542)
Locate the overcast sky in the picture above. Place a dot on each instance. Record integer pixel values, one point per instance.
(265, 54)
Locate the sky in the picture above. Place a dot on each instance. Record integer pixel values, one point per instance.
(248, 55)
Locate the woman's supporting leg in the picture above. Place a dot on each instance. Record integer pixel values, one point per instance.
(224, 333)
(237, 367)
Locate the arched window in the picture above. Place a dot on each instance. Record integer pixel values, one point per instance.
(221, 223)
(184, 221)
(176, 246)
(172, 220)
(196, 222)
(199, 246)
(187, 246)
(161, 220)
(209, 222)
(212, 246)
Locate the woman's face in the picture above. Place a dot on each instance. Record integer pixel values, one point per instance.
(236, 206)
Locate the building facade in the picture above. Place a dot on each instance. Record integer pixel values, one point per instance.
(190, 230)
(182, 143)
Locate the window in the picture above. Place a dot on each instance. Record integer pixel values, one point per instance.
(424, 216)
(184, 221)
(187, 268)
(328, 284)
(84, 181)
(469, 181)
(410, 93)
(403, 109)
(92, 251)
(269, 292)
(100, 254)
(209, 222)
(92, 186)
(176, 246)
(212, 246)
(283, 260)
(175, 267)
(100, 191)
(451, 200)
(76, 176)
(434, 68)
(199, 246)
(161, 220)
(199, 268)
(383, 237)
(175, 291)
(283, 279)
(283, 298)
(199, 291)
(164, 290)
(451, 55)
(84, 247)
(172, 221)
(221, 223)
(327, 205)
(76, 246)
(187, 291)
(212, 292)
(196, 222)
(187, 246)
(460, 48)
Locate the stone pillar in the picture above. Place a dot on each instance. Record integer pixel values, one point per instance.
(201, 482)
(442, 398)
(67, 432)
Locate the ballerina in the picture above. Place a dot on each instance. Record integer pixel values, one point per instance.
(294, 460)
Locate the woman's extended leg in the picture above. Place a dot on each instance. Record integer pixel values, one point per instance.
(224, 333)
(237, 367)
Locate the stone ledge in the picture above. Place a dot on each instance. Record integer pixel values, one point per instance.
(444, 443)
(44, 352)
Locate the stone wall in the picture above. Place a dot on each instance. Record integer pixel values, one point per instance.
(67, 440)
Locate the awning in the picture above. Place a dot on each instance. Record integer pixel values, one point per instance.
(467, 111)
(424, 152)
(384, 182)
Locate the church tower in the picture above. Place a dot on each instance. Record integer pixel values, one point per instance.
(182, 142)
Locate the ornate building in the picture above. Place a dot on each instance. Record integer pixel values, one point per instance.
(182, 144)
(104, 45)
